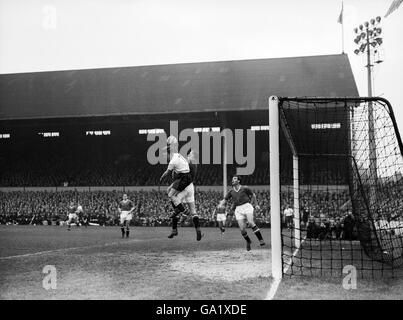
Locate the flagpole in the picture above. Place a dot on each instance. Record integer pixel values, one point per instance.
(342, 28)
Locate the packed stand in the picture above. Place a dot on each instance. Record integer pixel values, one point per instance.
(152, 208)
(54, 171)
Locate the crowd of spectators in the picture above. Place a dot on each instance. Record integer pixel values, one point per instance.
(54, 171)
(152, 208)
(324, 228)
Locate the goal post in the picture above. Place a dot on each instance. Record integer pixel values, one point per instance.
(338, 163)
(275, 208)
(275, 124)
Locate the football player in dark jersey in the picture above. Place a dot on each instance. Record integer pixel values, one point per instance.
(243, 198)
(126, 208)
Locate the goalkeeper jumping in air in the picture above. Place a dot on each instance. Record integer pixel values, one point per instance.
(243, 198)
(181, 191)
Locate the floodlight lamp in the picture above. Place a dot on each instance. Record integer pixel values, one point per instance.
(372, 21)
(356, 51)
(378, 19)
(379, 40)
(356, 30)
(361, 26)
(378, 30)
(366, 24)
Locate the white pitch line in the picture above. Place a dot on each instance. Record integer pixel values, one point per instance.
(69, 249)
(276, 282)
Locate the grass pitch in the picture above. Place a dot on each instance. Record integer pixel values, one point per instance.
(95, 263)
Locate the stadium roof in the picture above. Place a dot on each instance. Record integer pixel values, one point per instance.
(175, 88)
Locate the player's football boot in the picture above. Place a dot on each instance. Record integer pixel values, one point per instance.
(173, 234)
(248, 245)
(262, 243)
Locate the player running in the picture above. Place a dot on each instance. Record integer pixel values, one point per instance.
(73, 212)
(242, 197)
(182, 189)
(126, 207)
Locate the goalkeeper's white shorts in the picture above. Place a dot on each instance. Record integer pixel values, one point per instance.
(125, 216)
(244, 211)
(221, 217)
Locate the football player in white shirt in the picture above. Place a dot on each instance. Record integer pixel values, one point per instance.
(182, 189)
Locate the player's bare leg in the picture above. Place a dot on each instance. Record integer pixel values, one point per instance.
(242, 227)
(255, 228)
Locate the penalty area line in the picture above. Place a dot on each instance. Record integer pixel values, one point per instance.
(276, 282)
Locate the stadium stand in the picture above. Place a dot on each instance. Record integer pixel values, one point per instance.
(230, 94)
(152, 208)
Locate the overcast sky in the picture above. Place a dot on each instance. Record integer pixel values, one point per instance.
(43, 35)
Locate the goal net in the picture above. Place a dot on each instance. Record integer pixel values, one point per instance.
(336, 187)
